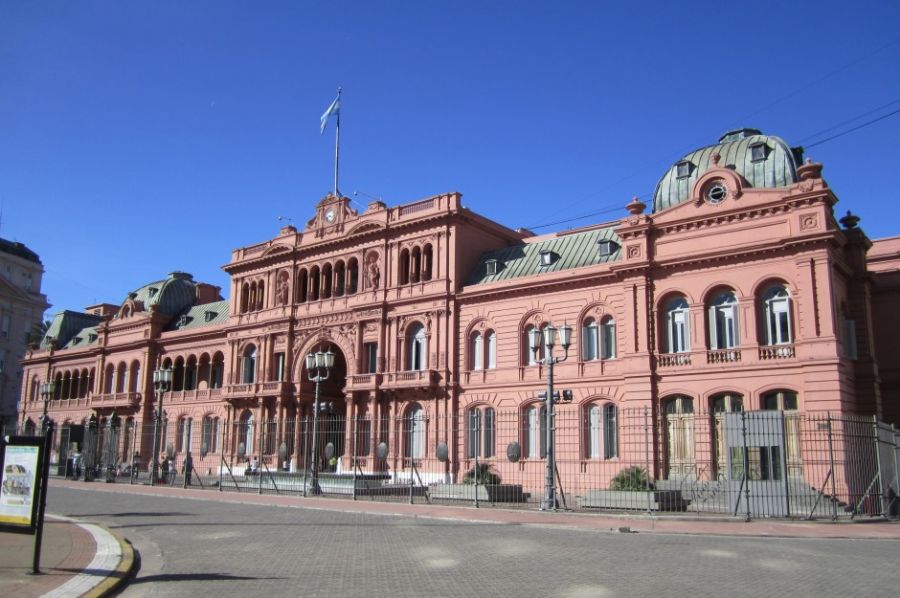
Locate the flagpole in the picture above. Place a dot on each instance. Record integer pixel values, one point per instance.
(337, 144)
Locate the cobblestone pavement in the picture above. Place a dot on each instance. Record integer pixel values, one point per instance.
(216, 548)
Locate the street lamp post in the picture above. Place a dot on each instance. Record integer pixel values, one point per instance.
(318, 369)
(162, 381)
(47, 390)
(549, 341)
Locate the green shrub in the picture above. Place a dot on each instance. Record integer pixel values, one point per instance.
(631, 478)
(481, 475)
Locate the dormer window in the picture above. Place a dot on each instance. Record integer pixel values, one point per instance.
(683, 169)
(547, 258)
(210, 316)
(152, 291)
(92, 338)
(758, 152)
(183, 321)
(606, 248)
(492, 267)
(76, 340)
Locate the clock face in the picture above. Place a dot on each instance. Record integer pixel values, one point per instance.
(329, 215)
(717, 193)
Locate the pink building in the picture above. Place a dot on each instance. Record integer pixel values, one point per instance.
(737, 290)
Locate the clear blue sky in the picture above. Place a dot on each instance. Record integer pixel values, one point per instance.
(137, 138)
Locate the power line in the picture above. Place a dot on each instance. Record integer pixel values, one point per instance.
(752, 114)
(865, 124)
(848, 121)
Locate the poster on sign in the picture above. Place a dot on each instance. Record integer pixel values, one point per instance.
(19, 485)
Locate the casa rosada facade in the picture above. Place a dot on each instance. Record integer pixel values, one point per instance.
(738, 289)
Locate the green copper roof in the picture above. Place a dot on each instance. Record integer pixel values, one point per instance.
(170, 296)
(567, 252)
(66, 325)
(778, 169)
(84, 338)
(199, 316)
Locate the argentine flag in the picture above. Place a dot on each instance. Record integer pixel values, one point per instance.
(333, 110)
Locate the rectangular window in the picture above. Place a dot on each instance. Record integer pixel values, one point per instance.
(4, 327)
(279, 367)
(608, 340)
(370, 350)
(610, 432)
(849, 339)
(678, 332)
(474, 433)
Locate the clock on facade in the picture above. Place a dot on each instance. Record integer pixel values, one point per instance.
(329, 215)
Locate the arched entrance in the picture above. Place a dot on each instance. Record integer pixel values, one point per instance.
(322, 420)
(721, 404)
(678, 413)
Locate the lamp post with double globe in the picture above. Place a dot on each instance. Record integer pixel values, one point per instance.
(162, 382)
(549, 337)
(318, 369)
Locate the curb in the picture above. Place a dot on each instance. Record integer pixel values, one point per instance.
(119, 577)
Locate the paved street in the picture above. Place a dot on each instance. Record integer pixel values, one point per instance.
(210, 547)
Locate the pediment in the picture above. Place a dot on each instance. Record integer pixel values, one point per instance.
(366, 227)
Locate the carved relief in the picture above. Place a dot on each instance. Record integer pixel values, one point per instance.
(373, 274)
(809, 221)
(283, 291)
(634, 251)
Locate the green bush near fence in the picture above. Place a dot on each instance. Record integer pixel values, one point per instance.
(632, 479)
(481, 475)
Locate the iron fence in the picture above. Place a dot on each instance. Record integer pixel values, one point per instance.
(749, 464)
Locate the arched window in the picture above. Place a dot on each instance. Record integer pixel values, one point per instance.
(780, 400)
(314, 283)
(340, 279)
(723, 322)
(58, 393)
(726, 403)
(245, 297)
(190, 373)
(248, 365)
(404, 266)
(427, 261)
(476, 352)
(178, 374)
(417, 348)
(251, 305)
(353, 276)
(678, 329)
(414, 447)
(530, 357)
(183, 441)
(480, 432)
(535, 431)
(491, 349)
(246, 436)
(121, 375)
(590, 340)
(261, 296)
(608, 338)
(415, 267)
(217, 372)
(134, 376)
(777, 316)
(209, 442)
(302, 285)
(603, 431)
(109, 381)
(327, 281)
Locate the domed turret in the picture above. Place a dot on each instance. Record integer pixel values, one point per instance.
(763, 160)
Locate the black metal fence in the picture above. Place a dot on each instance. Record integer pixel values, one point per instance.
(749, 464)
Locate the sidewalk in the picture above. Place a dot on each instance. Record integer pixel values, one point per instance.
(80, 558)
(77, 559)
